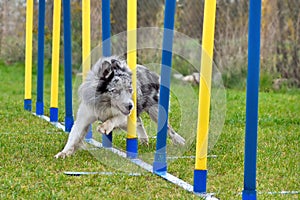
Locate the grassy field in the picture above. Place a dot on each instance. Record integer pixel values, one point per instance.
(28, 144)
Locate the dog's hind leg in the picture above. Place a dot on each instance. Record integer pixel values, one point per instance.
(84, 118)
(175, 137)
(142, 134)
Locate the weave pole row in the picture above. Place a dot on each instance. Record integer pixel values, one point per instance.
(55, 61)
(132, 142)
(160, 162)
(160, 168)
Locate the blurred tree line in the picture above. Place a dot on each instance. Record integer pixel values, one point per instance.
(280, 32)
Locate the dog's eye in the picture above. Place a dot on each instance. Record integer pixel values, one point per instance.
(113, 91)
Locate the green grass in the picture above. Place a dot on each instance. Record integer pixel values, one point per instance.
(28, 144)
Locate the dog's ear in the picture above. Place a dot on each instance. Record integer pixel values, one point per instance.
(121, 65)
(106, 71)
(116, 64)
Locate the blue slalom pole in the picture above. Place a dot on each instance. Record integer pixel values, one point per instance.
(69, 120)
(249, 192)
(160, 159)
(106, 51)
(106, 48)
(40, 69)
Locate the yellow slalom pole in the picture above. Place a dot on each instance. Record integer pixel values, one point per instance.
(86, 35)
(204, 96)
(55, 61)
(86, 46)
(131, 60)
(28, 55)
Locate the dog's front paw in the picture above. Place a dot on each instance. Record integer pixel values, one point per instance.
(105, 127)
(60, 155)
(144, 141)
(63, 154)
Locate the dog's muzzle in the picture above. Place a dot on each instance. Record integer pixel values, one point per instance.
(126, 110)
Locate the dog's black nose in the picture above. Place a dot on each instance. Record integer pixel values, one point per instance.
(130, 106)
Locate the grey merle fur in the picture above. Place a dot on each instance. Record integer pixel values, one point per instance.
(106, 96)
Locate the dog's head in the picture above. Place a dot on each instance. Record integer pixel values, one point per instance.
(115, 83)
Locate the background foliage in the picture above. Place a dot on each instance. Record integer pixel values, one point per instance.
(280, 51)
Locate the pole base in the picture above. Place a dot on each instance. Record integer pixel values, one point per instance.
(249, 195)
(89, 134)
(132, 148)
(160, 163)
(107, 140)
(160, 168)
(39, 108)
(200, 179)
(53, 114)
(27, 104)
(69, 121)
